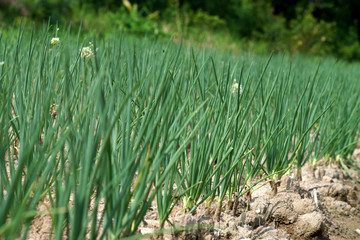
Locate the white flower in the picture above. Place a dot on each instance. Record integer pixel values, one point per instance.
(86, 52)
(235, 88)
(2, 63)
(55, 41)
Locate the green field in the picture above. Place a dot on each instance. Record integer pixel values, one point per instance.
(127, 121)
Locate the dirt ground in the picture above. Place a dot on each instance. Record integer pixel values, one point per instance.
(324, 205)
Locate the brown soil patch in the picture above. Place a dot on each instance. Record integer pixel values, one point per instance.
(324, 205)
(290, 214)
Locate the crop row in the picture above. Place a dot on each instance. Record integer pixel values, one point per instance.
(124, 122)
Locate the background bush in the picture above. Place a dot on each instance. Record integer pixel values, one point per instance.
(322, 27)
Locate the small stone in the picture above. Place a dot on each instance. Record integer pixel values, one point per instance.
(283, 212)
(310, 225)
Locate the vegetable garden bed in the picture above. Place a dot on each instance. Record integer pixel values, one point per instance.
(103, 130)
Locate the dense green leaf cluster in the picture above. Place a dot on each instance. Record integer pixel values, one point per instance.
(98, 128)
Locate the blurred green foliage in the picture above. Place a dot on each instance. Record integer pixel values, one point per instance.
(321, 27)
(121, 19)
